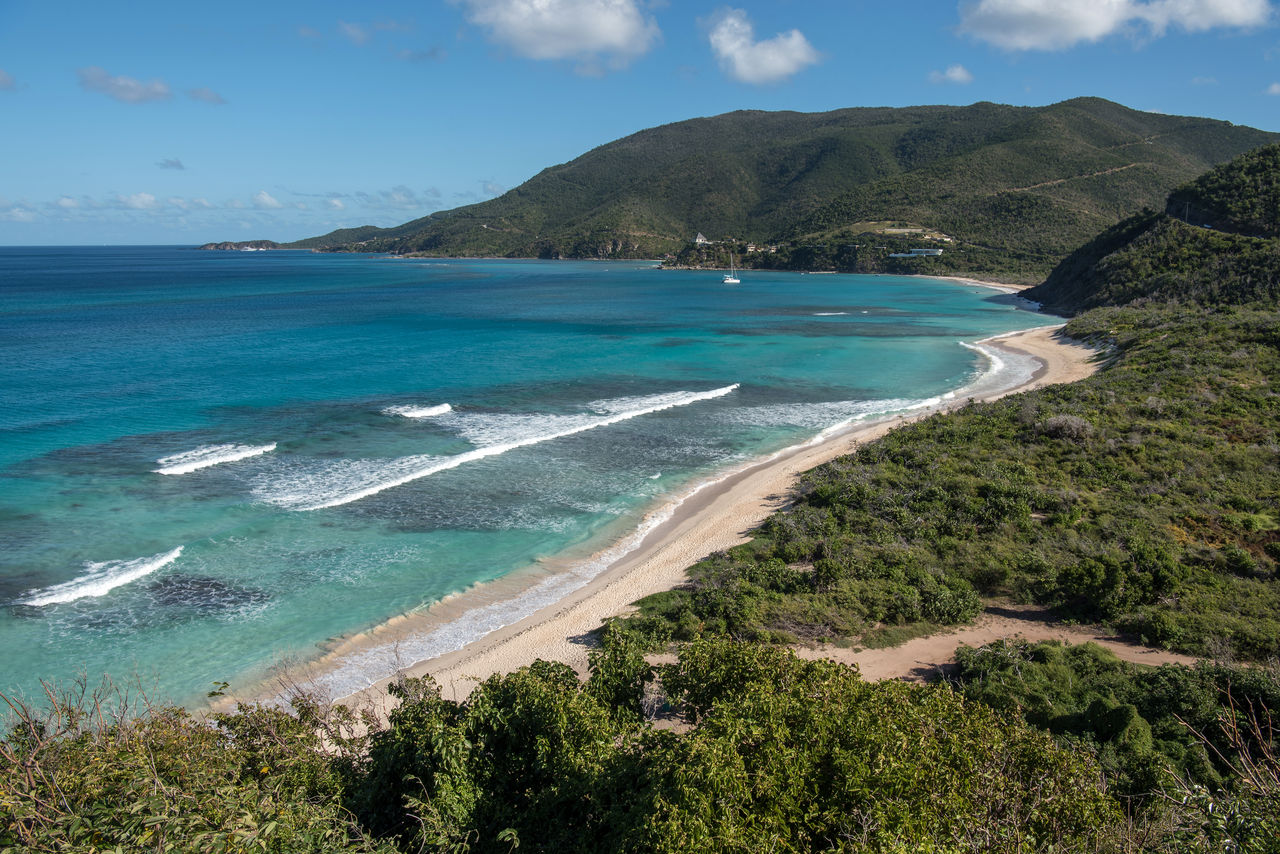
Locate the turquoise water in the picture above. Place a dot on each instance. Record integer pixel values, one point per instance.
(215, 460)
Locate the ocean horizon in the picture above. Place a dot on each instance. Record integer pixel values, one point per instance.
(215, 462)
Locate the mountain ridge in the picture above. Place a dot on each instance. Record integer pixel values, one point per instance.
(1029, 182)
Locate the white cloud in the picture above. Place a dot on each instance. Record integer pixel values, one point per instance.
(398, 198)
(1273, 89)
(337, 205)
(749, 61)
(590, 31)
(953, 74)
(67, 203)
(1204, 81)
(355, 33)
(204, 93)
(492, 189)
(265, 201)
(1198, 15)
(126, 89)
(201, 203)
(18, 214)
(171, 163)
(136, 201)
(1060, 24)
(6, 81)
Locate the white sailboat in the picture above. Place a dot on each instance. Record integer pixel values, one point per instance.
(731, 278)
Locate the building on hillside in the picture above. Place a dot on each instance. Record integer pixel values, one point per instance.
(701, 239)
(916, 253)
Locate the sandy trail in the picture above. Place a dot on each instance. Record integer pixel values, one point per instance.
(921, 658)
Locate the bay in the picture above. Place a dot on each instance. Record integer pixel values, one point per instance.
(214, 461)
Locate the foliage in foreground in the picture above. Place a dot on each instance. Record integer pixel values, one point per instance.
(782, 754)
(1153, 729)
(767, 752)
(785, 756)
(78, 776)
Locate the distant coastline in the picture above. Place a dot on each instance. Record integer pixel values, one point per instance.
(242, 246)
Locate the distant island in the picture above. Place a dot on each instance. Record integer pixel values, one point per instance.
(243, 245)
(1004, 192)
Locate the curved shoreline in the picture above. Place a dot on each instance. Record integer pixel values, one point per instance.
(711, 516)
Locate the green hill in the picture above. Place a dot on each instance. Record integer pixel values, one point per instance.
(1242, 196)
(1160, 258)
(1028, 183)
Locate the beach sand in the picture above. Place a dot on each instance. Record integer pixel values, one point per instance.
(717, 517)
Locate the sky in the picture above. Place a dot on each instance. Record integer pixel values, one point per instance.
(179, 123)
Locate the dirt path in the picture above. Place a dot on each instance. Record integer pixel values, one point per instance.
(918, 659)
(1057, 181)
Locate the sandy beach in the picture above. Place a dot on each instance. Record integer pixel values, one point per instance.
(718, 516)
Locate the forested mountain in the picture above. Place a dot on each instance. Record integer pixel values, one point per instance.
(1218, 244)
(1028, 182)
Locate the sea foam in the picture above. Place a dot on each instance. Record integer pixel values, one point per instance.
(101, 579)
(359, 669)
(343, 482)
(209, 455)
(823, 415)
(1005, 369)
(411, 411)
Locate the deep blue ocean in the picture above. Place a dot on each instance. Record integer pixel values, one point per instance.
(212, 462)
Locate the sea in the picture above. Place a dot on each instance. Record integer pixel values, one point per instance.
(217, 464)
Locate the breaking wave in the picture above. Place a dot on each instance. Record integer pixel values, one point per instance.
(343, 482)
(101, 579)
(209, 455)
(411, 411)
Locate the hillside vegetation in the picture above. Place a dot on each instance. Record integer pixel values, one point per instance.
(1145, 497)
(1242, 196)
(1017, 187)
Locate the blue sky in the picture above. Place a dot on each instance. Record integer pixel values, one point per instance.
(181, 123)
